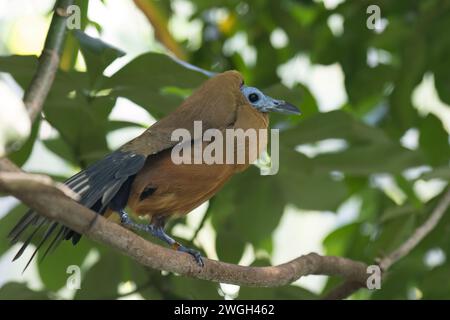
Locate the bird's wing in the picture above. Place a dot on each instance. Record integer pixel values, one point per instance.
(214, 105)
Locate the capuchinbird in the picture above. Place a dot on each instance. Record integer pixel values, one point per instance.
(142, 175)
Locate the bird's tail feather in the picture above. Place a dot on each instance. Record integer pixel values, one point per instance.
(97, 186)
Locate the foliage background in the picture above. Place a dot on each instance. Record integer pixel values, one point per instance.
(360, 169)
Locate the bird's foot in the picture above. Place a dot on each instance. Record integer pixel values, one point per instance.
(126, 221)
(159, 233)
(196, 254)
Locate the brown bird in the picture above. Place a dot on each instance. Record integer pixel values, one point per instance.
(143, 176)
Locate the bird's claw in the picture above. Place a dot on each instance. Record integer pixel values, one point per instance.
(196, 254)
(124, 219)
(160, 234)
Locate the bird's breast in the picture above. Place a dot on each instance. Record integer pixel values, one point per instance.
(175, 189)
(166, 186)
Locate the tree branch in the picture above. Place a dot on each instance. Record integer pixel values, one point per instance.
(42, 81)
(24, 182)
(50, 202)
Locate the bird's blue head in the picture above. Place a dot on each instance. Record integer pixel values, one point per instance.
(264, 103)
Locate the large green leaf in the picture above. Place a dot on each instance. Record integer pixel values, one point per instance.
(20, 67)
(19, 291)
(6, 225)
(144, 79)
(302, 183)
(332, 125)
(102, 280)
(54, 269)
(368, 159)
(434, 141)
(97, 54)
(246, 211)
(20, 156)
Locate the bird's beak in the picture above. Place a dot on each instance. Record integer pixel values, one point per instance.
(282, 107)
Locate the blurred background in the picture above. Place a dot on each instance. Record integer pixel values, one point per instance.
(362, 167)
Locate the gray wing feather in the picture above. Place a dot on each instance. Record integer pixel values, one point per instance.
(96, 186)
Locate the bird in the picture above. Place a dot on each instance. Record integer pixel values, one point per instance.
(142, 176)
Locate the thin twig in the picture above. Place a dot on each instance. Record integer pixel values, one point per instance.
(348, 288)
(42, 81)
(418, 235)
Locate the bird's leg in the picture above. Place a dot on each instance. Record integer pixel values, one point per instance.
(156, 228)
(126, 221)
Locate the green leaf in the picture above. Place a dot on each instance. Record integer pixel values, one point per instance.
(102, 280)
(97, 54)
(194, 289)
(434, 141)
(368, 85)
(71, 47)
(337, 242)
(411, 73)
(332, 125)
(407, 188)
(62, 149)
(302, 184)
(439, 172)
(392, 233)
(20, 67)
(433, 283)
(53, 270)
(81, 120)
(6, 225)
(397, 211)
(20, 156)
(280, 293)
(249, 199)
(143, 81)
(19, 291)
(368, 159)
(230, 244)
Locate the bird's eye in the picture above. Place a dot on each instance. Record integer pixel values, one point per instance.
(253, 97)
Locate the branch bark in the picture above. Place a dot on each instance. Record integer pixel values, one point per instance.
(24, 182)
(42, 81)
(51, 202)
